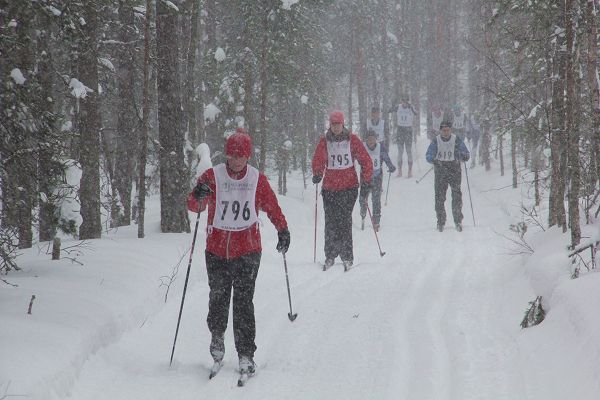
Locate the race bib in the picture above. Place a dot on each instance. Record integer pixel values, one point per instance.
(339, 155)
(445, 150)
(404, 116)
(235, 208)
(459, 121)
(375, 155)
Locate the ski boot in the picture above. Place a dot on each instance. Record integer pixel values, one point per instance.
(459, 227)
(217, 351)
(328, 263)
(247, 369)
(347, 264)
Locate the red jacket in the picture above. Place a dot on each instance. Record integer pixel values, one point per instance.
(342, 179)
(233, 244)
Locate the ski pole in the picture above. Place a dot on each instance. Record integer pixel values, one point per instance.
(291, 315)
(469, 189)
(425, 174)
(387, 190)
(315, 241)
(187, 276)
(381, 253)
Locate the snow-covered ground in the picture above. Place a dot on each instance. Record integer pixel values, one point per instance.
(436, 318)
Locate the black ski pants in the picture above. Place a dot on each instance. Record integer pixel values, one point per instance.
(338, 206)
(448, 173)
(404, 139)
(376, 188)
(237, 275)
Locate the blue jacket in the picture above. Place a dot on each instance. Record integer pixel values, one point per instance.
(460, 150)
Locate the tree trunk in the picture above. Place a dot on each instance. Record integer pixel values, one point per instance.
(513, 158)
(264, 87)
(349, 121)
(47, 171)
(173, 182)
(385, 72)
(127, 113)
(143, 141)
(573, 169)
(212, 136)
(89, 127)
(592, 65)
(191, 99)
(361, 81)
(25, 165)
(556, 212)
(501, 152)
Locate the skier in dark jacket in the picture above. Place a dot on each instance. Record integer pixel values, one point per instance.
(378, 155)
(446, 152)
(234, 193)
(334, 158)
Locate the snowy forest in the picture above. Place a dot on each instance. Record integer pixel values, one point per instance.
(128, 90)
(108, 104)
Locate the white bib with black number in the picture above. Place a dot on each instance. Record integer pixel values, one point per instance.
(339, 155)
(459, 121)
(375, 155)
(404, 116)
(445, 150)
(378, 128)
(236, 207)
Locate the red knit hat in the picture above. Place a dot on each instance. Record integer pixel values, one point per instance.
(336, 117)
(239, 144)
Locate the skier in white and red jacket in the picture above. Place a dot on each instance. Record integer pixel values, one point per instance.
(333, 162)
(234, 192)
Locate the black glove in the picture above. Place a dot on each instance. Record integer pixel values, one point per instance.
(284, 241)
(392, 169)
(365, 186)
(464, 157)
(316, 179)
(201, 191)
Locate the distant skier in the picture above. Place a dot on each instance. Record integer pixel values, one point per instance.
(434, 119)
(459, 121)
(405, 114)
(378, 125)
(234, 193)
(446, 152)
(378, 155)
(334, 157)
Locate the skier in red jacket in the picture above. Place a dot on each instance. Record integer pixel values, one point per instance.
(334, 159)
(234, 193)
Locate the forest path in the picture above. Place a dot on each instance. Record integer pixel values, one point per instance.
(426, 321)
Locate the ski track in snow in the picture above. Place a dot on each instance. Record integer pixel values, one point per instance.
(423, 322)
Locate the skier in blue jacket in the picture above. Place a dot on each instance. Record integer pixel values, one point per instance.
(379, 155)
(446, 152)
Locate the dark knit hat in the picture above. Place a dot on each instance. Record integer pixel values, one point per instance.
(445, 124)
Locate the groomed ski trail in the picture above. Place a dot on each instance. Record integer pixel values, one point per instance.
(429, 320)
